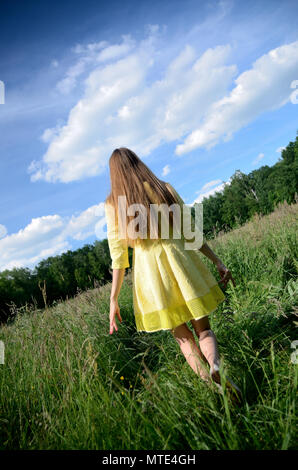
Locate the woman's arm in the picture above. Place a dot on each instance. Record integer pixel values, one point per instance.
(224, 272)
(206, 250)
(119, 255)
(118, 275)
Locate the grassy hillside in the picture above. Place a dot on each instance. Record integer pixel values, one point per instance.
(67, 384)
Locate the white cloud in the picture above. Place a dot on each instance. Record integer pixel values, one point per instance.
(280, 149)
(120, 107)
(48, 236)
(209, 185)
(130, 98)
(83, 226)
(67, 84)
(95, 46)
(116, 50)
(166, 170)
(49, 134)
(206, 192)
(265, 87)
(3, 231)
(29, 243)
(258, 159)
(90, 57)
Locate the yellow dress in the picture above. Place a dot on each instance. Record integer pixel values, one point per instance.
(171, 285)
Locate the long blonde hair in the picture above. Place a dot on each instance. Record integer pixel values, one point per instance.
(127, 176)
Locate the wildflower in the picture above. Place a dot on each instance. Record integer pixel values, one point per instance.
(121, 378)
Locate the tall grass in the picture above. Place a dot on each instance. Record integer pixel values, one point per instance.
(68, 384)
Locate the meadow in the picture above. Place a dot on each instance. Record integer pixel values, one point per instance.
(67, 384)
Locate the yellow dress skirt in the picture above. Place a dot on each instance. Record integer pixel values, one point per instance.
(171, 285)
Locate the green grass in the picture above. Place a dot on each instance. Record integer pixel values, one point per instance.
(67, 384)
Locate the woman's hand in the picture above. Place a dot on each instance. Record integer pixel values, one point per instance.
(114, 310)
(225, 274)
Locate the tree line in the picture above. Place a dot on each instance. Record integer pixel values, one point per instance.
(258, 192)
(60, 277)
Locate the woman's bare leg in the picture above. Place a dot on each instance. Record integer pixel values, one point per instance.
(208, 345)
(190, 350)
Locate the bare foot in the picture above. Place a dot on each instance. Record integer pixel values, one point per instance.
(233, 390)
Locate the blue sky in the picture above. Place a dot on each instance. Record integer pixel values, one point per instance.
(198, 89)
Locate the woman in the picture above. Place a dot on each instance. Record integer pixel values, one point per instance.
(171, 284)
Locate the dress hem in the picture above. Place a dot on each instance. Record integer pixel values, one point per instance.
(170, 318)
(170, 329)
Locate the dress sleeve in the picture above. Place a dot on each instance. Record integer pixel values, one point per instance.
(182, 202)
(118, 247)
